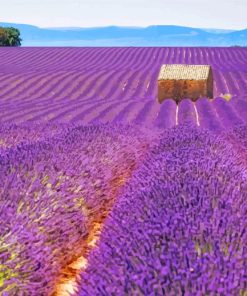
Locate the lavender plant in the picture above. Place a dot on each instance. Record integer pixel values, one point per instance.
(179, 228)
(52, 191)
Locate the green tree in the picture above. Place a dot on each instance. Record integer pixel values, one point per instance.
(10, 37)
(3, 36)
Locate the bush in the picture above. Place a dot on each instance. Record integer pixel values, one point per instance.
(10, 37)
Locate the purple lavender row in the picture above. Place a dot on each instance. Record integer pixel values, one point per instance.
(35, 64)
(43, 59)
(54, 185)
(179, 227)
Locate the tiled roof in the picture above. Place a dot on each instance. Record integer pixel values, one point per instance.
(180, 71)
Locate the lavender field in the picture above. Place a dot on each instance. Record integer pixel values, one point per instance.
(150, 198)
(87, 85)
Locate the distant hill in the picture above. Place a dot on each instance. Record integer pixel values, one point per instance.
(129, 36)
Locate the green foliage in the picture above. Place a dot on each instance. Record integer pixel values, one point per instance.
(3, 36)
(10, 37)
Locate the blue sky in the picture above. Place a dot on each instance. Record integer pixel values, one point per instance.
(223, 14)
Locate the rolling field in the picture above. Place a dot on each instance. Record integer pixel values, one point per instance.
(87, 85)
(104, 191)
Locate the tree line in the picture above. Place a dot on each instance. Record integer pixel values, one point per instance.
(10, 37)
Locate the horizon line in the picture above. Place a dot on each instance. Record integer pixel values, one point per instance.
(120, 26)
